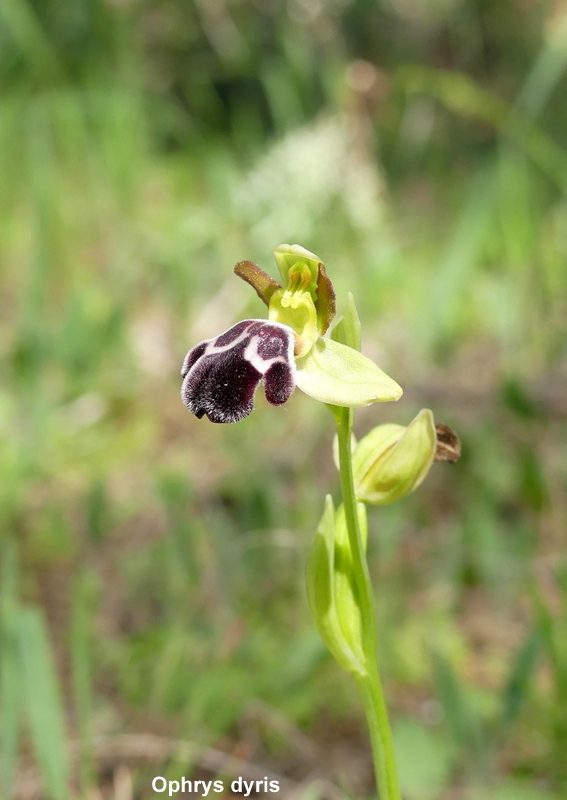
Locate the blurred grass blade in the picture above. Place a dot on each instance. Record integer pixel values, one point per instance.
(81, 668)
(517, 686)
(462, 722)
(546, 72)
(453, 275)
(463, 95)
(23, 26)
(555, 643)
(43, 703)
(10, 708)
(10, 669)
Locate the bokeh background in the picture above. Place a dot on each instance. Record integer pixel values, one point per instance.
(153, 613)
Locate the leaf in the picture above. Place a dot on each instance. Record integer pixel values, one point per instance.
(81, 674)
(10, 674)
(10, 706)
(346, 593)
(335, 374)
(322, 594)
(461, 719)
(517, 686)
(43, 702)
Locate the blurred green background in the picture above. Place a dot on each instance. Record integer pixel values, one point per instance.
(152, 564)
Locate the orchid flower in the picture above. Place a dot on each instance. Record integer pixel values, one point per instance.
(289, 349)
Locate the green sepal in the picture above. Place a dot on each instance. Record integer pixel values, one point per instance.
(294, 260)
(330, 589)
(336, 374)
(263, 283)
(288, 255)
(347, 329)
(392, 460)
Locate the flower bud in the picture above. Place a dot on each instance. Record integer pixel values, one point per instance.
(392, 460)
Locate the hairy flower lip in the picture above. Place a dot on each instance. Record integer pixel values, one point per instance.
(221, 374)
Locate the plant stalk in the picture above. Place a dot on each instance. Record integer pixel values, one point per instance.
(368, 683)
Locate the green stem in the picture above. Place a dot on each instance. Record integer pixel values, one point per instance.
(368, 683)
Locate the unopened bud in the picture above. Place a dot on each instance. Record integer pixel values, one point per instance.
(392, 460)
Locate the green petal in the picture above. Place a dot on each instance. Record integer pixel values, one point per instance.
(326, 300)
(263, 283)
(335, 374)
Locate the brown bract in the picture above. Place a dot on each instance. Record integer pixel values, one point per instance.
(448, 444)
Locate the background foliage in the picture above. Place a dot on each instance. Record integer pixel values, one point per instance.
(152, 564)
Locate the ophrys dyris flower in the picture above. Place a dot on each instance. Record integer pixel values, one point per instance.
(286, 350)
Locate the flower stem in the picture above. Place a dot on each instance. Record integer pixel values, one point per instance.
(368, 682)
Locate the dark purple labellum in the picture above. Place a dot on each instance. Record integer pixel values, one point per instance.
(222, 374)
